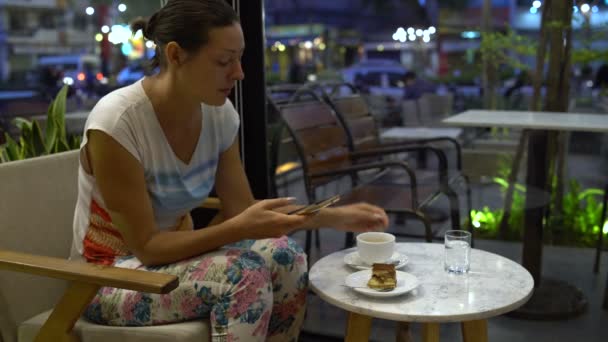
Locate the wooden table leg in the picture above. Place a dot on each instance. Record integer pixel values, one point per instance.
(430, 332)
(358, 328)
(475, 331)
(403, 333)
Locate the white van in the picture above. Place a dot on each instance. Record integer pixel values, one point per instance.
(380, 77)
(74, 67)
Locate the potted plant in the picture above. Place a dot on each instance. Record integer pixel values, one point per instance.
(33, 142)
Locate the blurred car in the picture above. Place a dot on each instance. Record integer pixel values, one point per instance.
(377, 77)
(77, 71)
(130, 74)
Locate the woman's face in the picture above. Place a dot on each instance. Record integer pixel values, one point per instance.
(210, 74)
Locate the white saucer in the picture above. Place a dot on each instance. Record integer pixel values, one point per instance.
(352, 259)
(358, 282)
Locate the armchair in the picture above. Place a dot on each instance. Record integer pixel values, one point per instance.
(36, 211)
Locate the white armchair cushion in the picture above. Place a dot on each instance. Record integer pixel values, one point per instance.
(194, 331)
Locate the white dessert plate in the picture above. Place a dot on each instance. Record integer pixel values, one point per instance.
(357, 281)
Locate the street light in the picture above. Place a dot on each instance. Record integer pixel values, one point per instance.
(90, 10)
(585, 8)
(537, 4)
(122, 7)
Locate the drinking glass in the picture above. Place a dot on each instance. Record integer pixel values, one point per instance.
(457, 251)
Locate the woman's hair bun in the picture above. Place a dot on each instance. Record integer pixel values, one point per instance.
(143, 25)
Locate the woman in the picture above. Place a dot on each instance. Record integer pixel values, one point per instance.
(151, 152)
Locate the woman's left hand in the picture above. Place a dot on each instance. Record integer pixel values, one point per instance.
(360, 217)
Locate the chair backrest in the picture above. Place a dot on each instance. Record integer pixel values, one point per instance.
(38, 197)
(320, 140)
(409, 113)
(432, 108)
(355, 115)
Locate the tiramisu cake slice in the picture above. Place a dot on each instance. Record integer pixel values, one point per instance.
(384, 277)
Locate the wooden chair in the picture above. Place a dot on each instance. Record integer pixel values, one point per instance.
(37, 207)
(322, 146)
(363, 137)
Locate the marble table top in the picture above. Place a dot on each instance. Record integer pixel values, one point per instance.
(531, 120)
(494, 285)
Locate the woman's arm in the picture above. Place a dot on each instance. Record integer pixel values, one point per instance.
(231, 183)
(120, 178)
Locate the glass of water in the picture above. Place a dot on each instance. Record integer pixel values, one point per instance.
(457, 251)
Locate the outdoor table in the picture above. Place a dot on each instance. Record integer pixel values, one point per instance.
(494, 285)
(552, 298)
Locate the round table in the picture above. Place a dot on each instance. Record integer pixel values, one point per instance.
(494, 285)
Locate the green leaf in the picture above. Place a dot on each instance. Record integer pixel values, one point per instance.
(62, 146)
(37, 140)
(27, 142)
(58, 112)
(3, 155)
(74, 142)
(12, 148)
(21, 123)
(50, 137)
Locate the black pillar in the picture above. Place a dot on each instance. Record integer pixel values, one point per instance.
(250, 97)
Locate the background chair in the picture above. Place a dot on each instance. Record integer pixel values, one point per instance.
(363, 137)
(325, 158)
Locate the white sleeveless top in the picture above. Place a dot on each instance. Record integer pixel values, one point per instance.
(174, 187)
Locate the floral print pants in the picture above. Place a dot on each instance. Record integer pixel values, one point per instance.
(253, 290)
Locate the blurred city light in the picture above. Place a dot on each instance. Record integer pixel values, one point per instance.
(533, 10)
(150, 44)
(122, 7)
(98, 37)
(119, 34)
(90, 10)
(400, 35)
(537, 4)
(411, 30)
(126, 49)
(426, 39)
(595, 9)
(105, 29)
(68, 81)
(575, 9)
(585, 8)
(412, 37)
(308, 45)
(432, 30)
(470, 34)
(419, 32)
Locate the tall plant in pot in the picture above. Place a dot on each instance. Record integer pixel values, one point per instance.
(35, 142)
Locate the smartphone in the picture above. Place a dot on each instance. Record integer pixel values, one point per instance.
(313, 208)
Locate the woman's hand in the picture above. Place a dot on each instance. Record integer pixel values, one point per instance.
(262, 221)
(360, 217)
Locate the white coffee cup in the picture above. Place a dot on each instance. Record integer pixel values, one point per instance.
(375, 247)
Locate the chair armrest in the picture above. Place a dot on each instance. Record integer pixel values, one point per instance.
(110, 276)
(374, 152)
(378, 165)
(211, 203)
(453, 141)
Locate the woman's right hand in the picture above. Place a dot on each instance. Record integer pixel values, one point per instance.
(261, 221)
